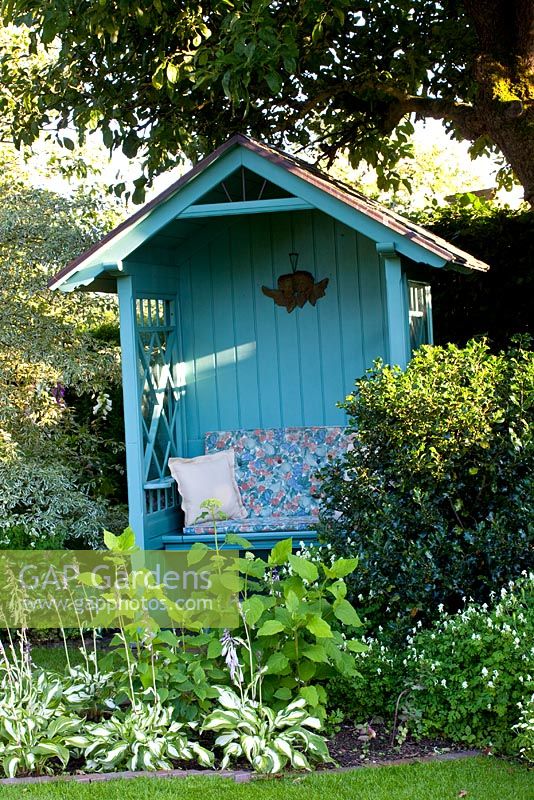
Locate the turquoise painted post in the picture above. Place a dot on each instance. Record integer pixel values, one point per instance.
(395, 304)
(132, 409)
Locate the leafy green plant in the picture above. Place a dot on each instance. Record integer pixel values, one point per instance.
(524, 730)
(373, 691)
(435, 498)
(267, 739)
(475, 667)
(145, 737)
(33, 718)
(296, 612)
(249, 727)
(179, 666)
(31, 742)
(463, 678)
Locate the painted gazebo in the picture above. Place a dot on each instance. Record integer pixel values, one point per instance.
(252, 292)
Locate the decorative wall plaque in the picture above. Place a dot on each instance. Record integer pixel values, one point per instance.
(296, 288)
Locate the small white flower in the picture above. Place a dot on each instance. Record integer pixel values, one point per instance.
(464, 684)
(443, 682)
(484, 671)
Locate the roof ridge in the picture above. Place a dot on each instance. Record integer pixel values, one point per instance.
(343, 191)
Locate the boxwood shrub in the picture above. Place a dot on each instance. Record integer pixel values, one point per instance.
(436, 497)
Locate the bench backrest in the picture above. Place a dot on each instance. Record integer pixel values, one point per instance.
(276, 467)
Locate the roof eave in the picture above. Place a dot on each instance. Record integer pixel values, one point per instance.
(438, 250)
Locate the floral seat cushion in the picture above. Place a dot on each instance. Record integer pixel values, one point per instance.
(276, 472)
(255, 525)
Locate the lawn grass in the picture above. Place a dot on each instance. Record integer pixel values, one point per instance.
(482, 778)
(54, 658)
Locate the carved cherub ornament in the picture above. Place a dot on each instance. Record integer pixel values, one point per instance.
(296, 289)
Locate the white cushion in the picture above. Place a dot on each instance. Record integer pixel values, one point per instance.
(206, 477)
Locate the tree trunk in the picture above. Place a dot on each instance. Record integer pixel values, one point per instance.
(515, 138)
(503, 108)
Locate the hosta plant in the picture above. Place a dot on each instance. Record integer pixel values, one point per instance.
(145, 737)
(268, 740)
(33, 726)
(31, 743)
(87, 689)
(249, 727)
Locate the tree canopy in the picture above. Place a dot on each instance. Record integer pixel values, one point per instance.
(161, 79)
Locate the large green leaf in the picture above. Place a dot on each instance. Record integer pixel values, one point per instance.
(252, 609)
(355, 646)
(270, 627)
(292, 602)
(125, 543)
(239, 541)
(277, 664)
(196, 553)
(305, 569)
(315, 652)
(319, 627)
(280, 552)
(341, 568)
(309, 693)
(346, 613)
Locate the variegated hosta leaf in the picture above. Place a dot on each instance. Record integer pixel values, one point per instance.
(283, 746)
(267, 740)
(293, 718)
(317, 746)
(220, 719)
(228, 698)
(312, 722)
(204, 756)
(143, 738)
(11, 766)
(252, 746)
(223, 740)
(299, 760)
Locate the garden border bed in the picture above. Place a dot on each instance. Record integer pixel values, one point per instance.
(238, 776)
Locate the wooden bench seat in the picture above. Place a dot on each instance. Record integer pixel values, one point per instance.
(276, 472)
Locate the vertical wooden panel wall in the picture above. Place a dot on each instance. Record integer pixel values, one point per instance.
(248, 363)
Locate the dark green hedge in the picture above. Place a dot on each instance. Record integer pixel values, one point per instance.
(437, 496)
(499, 303)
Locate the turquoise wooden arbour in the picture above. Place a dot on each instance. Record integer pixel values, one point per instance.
(204, 349)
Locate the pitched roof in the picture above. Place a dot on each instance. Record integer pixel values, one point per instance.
(341, 191)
